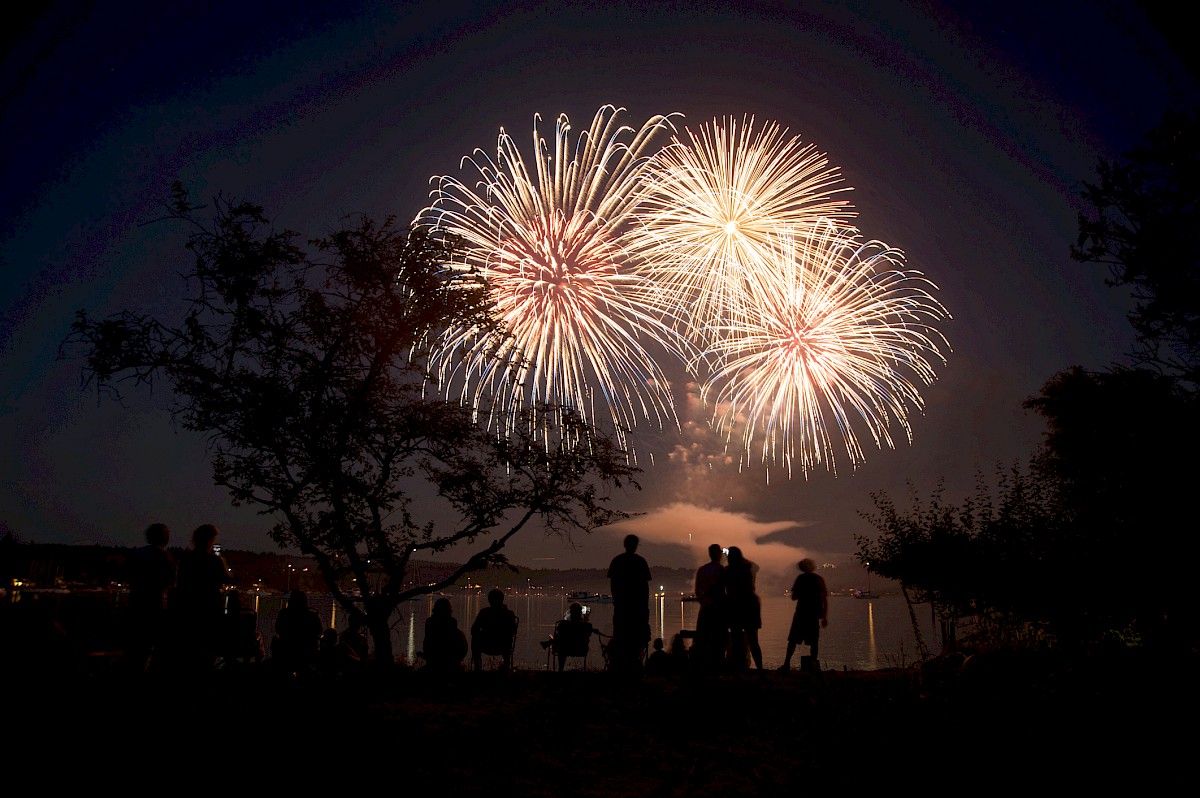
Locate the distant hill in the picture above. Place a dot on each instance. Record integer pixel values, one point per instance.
(66, 565)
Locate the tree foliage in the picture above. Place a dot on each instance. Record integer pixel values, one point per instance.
(1142, 222)
(306, 367)
(1058, 551)
(984, 560)
(1052, 549)
(1118, 450)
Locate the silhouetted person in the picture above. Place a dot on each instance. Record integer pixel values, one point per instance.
(298, 631)
(659, 662)
(445, 646)
(745, 610)
(810, 617)
(712, 621)
(681, 658)
(241, 642)
(572, 636)
(197, 603)
(494, 631)
(353, 646)
(151, 576)
(328, 655)
(629, 580)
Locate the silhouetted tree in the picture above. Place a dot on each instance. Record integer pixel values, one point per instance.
(307, 370)
(1091, 543)
(1118, 449)
(1114, 477)
(1143, 223)
(984, 559)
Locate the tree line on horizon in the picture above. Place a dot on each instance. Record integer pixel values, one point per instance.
(98, 566)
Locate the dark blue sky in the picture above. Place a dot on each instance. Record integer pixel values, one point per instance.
(966, 135)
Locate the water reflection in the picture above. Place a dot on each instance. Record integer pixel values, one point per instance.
(863, 634)
(872, 650)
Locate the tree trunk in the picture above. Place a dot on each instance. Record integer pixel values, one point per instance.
(379, 624)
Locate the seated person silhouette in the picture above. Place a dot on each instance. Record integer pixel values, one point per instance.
(297, 643)
(445, 646)
(494, 631)
(241, 641)
(353, 647)
(660, 663)
(572, 636)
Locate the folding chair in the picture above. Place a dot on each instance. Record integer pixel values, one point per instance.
(570, 640)
(497, 647)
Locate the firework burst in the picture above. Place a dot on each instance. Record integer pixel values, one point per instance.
(576, 318)
(834, 337)
(716, 206)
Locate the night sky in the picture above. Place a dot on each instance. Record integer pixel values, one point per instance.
(966, 135)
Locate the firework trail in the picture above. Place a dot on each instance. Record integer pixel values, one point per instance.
(578, 319)
(716, 206)
(833, 336)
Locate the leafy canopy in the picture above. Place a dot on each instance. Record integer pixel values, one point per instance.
(306, 368)
(1142, 221)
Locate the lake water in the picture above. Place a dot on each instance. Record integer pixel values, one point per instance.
(863, 634)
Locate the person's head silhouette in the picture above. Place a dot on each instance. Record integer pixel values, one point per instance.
(495, 597)
(204, 537)
(158, 535)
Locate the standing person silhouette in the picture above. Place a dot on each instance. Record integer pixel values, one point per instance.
(199, 602)
(711, 623)
(298, 629)
(629, 581)
(811, 615)
(745, 610)
(151, 576)
(494, 631)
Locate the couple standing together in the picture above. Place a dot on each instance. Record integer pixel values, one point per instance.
(731, 614)
(730, 610)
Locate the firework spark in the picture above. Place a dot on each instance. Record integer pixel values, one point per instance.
(716, 206)
(833, 336)
(575, 312)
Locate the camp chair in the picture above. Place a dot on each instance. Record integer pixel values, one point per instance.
(495, 646)
(571, 639)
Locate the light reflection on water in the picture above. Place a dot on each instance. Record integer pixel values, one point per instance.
(863, 634)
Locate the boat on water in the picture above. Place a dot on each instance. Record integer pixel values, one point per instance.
(584, 597)
(866, 594)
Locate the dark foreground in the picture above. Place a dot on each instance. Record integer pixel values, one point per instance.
(1019, 721)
